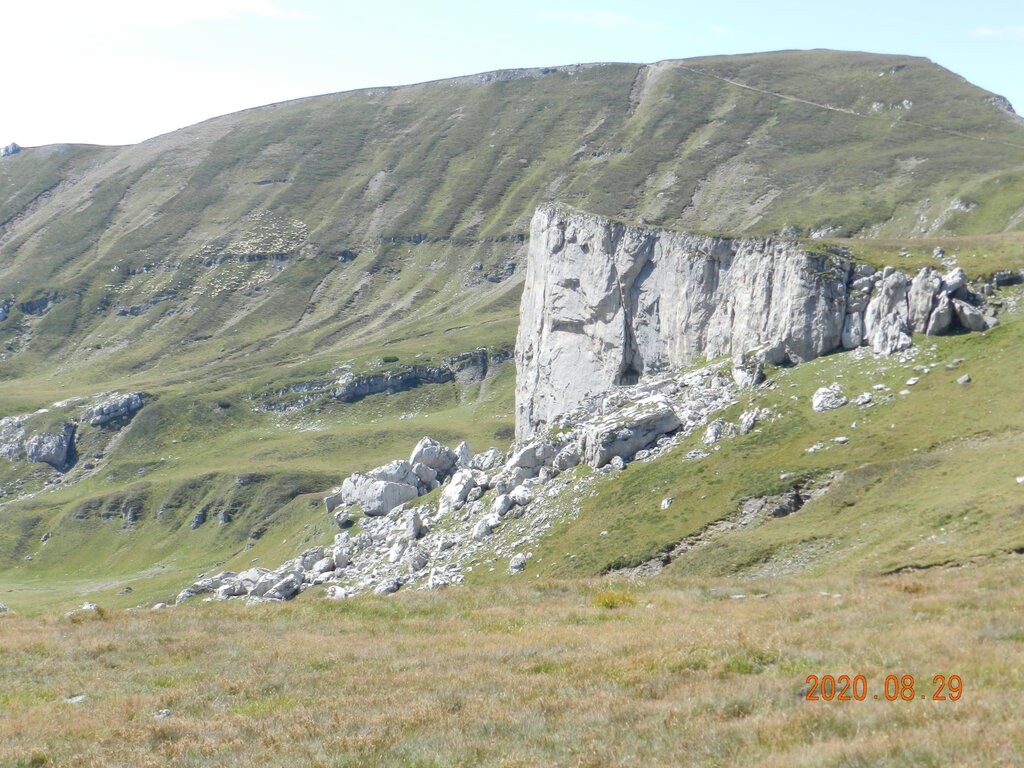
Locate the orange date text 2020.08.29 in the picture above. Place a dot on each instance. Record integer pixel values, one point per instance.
(894, 688)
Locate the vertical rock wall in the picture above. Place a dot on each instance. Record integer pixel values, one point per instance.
(605, 303)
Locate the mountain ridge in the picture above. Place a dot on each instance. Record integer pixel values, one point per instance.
(364, 234)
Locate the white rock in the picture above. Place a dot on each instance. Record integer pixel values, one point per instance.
(517, 564)
(458, 488)
(413, 525)
(649, 299)
(323, 565)
(416, 559)
(828, 398)
(481, 530)
(667, 502)
(502, 504)
(434, 455)
(521, 495)
(398, 471)
(628, 430)
(970, 317)
(376, 497)
(387, 587)
(488, 461)
(713, 433)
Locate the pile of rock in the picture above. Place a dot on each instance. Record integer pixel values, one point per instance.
(490, 507)
(883, 308)
(430, 465)
(114, 407)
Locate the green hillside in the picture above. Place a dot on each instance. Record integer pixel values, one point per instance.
(224, 264)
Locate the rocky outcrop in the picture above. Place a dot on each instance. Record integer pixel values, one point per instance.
(55, 449)
(464, 368)
(605, 303)
(482, 516)
(10, 149)
(113, 408)
(384, 488)
(629, 430)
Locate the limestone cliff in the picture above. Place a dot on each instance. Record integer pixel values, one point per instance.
(605, 303)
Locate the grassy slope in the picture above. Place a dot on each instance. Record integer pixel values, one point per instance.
(463, 163)
(226, 236)
(545, 673)
(929, 477)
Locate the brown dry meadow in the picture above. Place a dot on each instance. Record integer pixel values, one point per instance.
(576, 673)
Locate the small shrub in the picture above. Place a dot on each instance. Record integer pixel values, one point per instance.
(505, 432)
(611, 600)
(389, 359)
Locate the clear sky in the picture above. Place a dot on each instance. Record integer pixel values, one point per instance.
(120, 71)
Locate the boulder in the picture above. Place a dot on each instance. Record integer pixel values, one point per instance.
(853, 330)
(520, 496)
(413, 525)
(517, 564)
(333, 501)
(323, 565)
(426, 475)
(54, 449)
(502, 504)
(463, 456)
(567, 458)
(942, 316)
(890, 335)
(434, 455)
(387, 587)
(490, 460)
(533, 456)
(458, 488)
(632, 429)
(311, 556)
(922, 297)
(342, 557)
(482, 530)
(398, 471)
(886, 323)
(828, 398)
(287, 588)
(970, 317)
(376, 497)
(713, 433)
(954, 280)
(748, 419)
(416, 559)
(747, 371)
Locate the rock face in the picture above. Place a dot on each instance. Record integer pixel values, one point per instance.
(630, 430)
(55, 449)
(115, 407)
(605, 303)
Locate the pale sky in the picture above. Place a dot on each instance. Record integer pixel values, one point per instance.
(120, 71)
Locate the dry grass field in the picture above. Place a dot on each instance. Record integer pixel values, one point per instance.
(566, 673)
